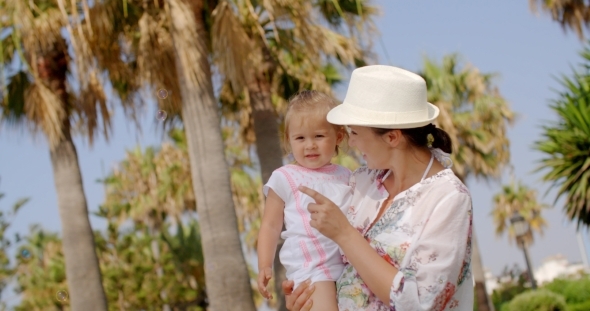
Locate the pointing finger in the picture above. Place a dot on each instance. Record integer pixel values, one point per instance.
(318, 197)
(313, 208)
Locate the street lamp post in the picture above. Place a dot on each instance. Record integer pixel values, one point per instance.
(521, 227)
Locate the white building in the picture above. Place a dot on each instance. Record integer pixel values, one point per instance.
(557, 266)
(491, 281)
(552, 267)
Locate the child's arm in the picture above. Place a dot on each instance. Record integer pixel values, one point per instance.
(268, 238)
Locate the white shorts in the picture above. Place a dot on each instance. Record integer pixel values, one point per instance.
(303, 259)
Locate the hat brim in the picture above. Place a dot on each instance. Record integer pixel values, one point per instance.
(343, 114)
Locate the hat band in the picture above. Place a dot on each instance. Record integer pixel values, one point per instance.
(384, 117)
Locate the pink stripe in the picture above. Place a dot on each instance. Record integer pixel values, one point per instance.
(306, 225)
(306, 254)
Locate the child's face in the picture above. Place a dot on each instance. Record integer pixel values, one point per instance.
(313, 142)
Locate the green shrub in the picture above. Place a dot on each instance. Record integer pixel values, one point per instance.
(575, 291)
(538, 300)
(504, 307)
(578, 291)
(584, 306)
(502, 295)
(557, 285)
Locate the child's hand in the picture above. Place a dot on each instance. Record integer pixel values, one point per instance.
(263, 277)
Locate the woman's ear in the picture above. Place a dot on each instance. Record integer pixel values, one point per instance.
(393, 137)
(340, 136)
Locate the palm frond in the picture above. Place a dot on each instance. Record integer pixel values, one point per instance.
(13, 101)
(570, 14)
(473, 112)
(234, 53)
(566, 145)
(45, 111)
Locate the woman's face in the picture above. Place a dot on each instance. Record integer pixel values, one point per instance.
(376, 152)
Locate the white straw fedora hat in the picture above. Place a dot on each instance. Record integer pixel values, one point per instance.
(384, 97)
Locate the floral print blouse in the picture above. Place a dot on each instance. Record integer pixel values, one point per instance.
(425, 233)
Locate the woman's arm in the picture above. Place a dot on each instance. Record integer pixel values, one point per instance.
(438, 261)
(375, 271)
(268, 237)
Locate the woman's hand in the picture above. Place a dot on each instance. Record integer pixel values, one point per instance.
(326, 217)
(300, 298)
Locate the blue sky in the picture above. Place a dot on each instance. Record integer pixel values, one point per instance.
(505, 37)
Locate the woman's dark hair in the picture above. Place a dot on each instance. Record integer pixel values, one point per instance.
(418, 136)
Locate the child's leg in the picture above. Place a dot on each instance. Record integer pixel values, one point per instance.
(324, 296)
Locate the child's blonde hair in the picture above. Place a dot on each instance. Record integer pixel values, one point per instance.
(312, 102)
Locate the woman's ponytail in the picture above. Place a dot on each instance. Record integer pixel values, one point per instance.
(442, 140)
(427, 136)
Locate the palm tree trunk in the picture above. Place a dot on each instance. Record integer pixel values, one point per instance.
(270, 155)
(481, 295)
(227, 280)
(82, 269)
(266, 126)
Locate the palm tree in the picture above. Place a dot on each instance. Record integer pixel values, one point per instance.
(571, 14)
(475, 115)
(37, 96)
(518, 198)
(220, 236)
(565, 144)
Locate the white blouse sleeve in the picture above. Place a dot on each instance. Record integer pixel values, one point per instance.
(440, 258)
(279, 183)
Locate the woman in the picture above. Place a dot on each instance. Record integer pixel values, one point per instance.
(406, 239)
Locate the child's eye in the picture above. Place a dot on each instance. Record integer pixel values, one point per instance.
(319, 136)
(299, 138)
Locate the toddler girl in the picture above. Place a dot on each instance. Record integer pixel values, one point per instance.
(306, 254)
